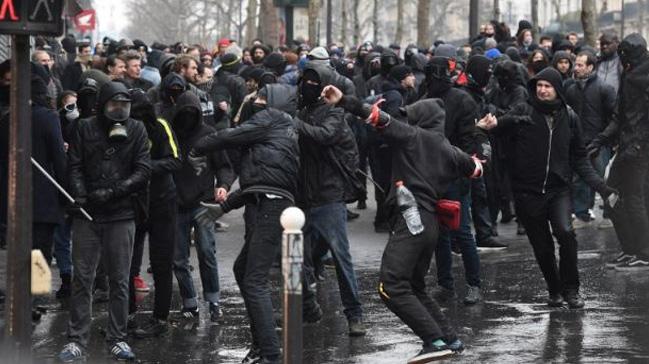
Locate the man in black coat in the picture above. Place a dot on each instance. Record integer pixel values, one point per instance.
(629, 129)
(72, 73)
(108, 162)
(547, 148)
(328, 164)
(594, 102)
(461, 116)
(269, 168)
(48, 151)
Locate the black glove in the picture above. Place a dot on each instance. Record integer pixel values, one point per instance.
(100, 196)
(209, 213)
(607, 190)
(199, 163)
(593, 148)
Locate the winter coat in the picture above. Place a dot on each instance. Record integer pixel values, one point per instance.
(594, 102)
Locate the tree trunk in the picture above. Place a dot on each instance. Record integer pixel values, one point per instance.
(423, 23)
(375, 22)
(589, 21)
(357, 23)
(314, 13)
(269, 23)
(535, 19)
(474, 18)
(343, 27)
(398, 37)
(497, 10)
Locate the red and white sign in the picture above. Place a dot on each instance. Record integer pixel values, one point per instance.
(85, 20)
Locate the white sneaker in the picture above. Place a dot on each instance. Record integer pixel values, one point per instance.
(605, 224)
(580, 224)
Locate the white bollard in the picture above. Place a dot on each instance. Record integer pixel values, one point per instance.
(41, 274)
(292, 220)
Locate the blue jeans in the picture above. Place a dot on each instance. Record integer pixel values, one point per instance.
(328, 224)
(458, 191)
(63, 247)
(583, 197)
(207, 264)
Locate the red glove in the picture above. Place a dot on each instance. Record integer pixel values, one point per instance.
(477, 172)
(375, 113)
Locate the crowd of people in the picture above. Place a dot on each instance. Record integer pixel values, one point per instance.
(150, 139)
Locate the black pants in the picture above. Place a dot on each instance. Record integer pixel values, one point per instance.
(161, 227)
(262, 242)
(402, 285)
(630, 176)
(539, 212)
(43, 239)
(480, 213)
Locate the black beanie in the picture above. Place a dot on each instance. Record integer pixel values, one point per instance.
(553, 77)
(229, 59)
(399, 72)
(522, 25)
(478, 68)
(275, 62)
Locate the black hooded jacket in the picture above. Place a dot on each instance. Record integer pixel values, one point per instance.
(423, 158)
(461, 116)
(193, 189)
(361, 79)
(328, 152)
(268, 144)
(547, 145)
(629, 127)
(95, 162)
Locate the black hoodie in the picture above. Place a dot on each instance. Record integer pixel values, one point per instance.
(95, 162)
(193, 189)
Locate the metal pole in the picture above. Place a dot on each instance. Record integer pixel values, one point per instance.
(329, 23)
(474, 17)
(292, 220)
(18, 306)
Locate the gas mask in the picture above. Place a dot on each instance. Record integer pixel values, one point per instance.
(71, 112)
(117, 110)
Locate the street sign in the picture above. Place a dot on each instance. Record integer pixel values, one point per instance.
(85, 20)
(31, 17)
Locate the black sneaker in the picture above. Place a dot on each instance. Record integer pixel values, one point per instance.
(362, 205)
(621, 259)
(253, 356)
(154, 328)
(635, 264)
(189, 312)
(352, 215)
(574, 300)
(357, 328)
(490, 245)
(555, 300)
(215, 312)
(312, 314)
(431, 353)
(443, 294)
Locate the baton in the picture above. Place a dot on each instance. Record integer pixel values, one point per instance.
(58, 186)
(371, 180)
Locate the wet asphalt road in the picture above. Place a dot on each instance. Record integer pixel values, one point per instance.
(512, 325)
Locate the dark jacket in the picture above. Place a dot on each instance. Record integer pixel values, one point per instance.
(395, 96)
(235, 86)
(547, 147)
(328, 153)
(193, 189)
(422, 157)
(461, 116)
(269, 147)
(71, 76)
(95, 162)
(594, 102)
(47, 150)
(629, 127)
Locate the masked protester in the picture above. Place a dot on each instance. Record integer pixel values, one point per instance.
(230, 88)
(594, 102)
(508, 92)
(629, 129)
(268, 179)
(474, 80)
(537, 62)
(547, 148)
(72, 73)
(327, 148)
(108, 163)
(388, 60)
(562, 62)
(161, 218)
(461, 114)
(426, 163)
(209, 184)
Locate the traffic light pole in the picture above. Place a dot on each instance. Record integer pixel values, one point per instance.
(18, 305)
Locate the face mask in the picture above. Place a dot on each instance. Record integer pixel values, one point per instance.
(71, 112)
(503, 82)
(310, 93)
(185, 120)
(117, 110)
(538, 66)
(258, 107)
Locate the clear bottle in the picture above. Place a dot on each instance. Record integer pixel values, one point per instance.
(409, 210)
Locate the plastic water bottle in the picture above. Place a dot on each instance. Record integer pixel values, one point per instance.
(409, 210)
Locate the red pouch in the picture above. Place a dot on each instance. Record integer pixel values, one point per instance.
(448, 214)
